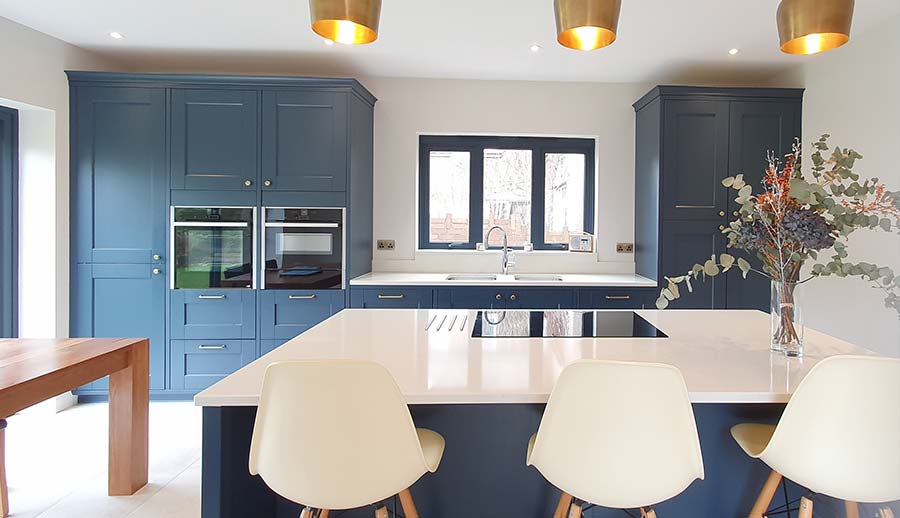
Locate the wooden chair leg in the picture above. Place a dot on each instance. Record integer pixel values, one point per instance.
(648, 513)
(575, 510)
(381, 512)
(4, 490)
(885, 512)
(406, 502)
(806, 508)
(306, 513)
(765, 495)
(565, 501)
(852, 509)
(323, 513)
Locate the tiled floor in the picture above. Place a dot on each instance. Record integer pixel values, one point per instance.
(56, 464)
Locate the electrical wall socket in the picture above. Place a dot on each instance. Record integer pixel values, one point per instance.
(625, 248)
(385, 244)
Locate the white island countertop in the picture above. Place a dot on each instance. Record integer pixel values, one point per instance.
(613, 280)
(723, 354)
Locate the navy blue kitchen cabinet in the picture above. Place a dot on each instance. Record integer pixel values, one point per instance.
(505, 297)
(616, 298)
(267, 346)
(304, 141)
(285, 314)
(121, 300)
(197, 364)
(403, 297)
(214, 139)
(119, 180)
(213, 314)
(688, 139)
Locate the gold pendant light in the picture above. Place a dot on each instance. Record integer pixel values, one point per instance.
(812, 26)
(586, 24)
(353, 22)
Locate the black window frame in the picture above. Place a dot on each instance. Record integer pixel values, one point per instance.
(475, 146)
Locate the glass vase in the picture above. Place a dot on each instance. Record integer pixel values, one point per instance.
(786, 317)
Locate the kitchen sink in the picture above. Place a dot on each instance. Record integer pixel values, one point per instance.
(539, 278)
(472, 277)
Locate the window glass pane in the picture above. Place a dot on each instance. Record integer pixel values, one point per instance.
(563, 196)
(507, 194)
(448, 203)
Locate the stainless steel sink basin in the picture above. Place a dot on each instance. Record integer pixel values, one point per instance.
(472, 277)
(539, 278)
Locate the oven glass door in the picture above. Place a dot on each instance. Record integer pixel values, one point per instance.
(213, 248)
(303, 249)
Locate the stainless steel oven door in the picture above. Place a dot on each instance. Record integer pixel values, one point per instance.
(213, 247)
(303, 252)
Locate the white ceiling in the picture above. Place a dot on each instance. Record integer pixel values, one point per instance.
(659, 40)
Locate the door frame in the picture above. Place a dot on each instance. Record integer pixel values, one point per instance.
(9, 222)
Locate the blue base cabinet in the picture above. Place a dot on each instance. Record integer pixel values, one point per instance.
(505, 297)
(197, 364)
(209, 314)
(617, 298)
(392, 297)
(285, 314)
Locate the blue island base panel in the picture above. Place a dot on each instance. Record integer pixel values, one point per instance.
(483, 471)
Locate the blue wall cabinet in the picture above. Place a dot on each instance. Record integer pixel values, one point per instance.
(214, 139)
(197, 364)
(121, 300)
(119, 185)
(392, 297)
(305, 141)
(285, 314)
(213, 314)
(688, 139)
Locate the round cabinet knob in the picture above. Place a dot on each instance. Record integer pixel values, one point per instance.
(499, 297)
(512, 297)
(721, 227)
(722, 213)
(268, 183)
(736, 213)
(248, 183)
(155, 271)
(156, 257)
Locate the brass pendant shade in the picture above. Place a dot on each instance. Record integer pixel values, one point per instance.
(586, 24)
(353, 22)
(812, 26)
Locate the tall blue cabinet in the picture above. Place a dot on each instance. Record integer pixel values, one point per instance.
(688, 139)
(141, 143)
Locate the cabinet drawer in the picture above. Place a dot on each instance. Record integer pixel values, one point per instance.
(539, 298)
(392, 297)
(213, 314)
(197, 364)
(285, 314)
(267, 346)
(617, 298)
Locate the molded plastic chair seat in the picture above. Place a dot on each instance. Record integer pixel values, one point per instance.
(432, 447)
(753, 438)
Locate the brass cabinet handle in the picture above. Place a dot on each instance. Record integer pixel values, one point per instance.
(210, 297)
(248, 183)
(211, 347)
(156, 271)
(512, 297)
(394, 297)
(722, 213)
(499, 297)
(268, 183)
(736, 213)
(301, 297)
(618, 297)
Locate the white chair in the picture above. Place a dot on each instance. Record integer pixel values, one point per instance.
(839, 435)
(338, 435)
(617, 434)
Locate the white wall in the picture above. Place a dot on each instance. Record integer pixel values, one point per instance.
(408, 107)
(851, 93)
(34, 82)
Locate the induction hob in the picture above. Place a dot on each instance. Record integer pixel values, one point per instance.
(563, 324)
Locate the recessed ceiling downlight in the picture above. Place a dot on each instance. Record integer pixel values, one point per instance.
(734, 52)
(535, 48)
(116, 35)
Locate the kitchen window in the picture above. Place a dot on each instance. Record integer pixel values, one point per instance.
(540, 190)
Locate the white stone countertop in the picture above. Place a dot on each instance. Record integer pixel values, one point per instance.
(526, 279)
(723, 354)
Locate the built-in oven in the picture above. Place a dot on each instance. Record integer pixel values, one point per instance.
(303, 248)
(213, 247)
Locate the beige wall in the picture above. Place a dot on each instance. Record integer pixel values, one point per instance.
(33, 79)
(851, 93)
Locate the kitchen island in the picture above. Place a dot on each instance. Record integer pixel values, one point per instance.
(486, 397)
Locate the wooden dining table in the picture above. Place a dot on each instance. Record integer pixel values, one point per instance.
(34, 370)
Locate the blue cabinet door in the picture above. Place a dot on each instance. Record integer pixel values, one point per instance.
(214, 139)
(472, 298)
(285, 314)
(197, 364)
(121, 300)
(267, 346)
(392, 297)
(617, 298)
(119, 180)
(686, 243)
(695, 160)
(539, 298)
(213, 314)
(304, 139)
(756, 128)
